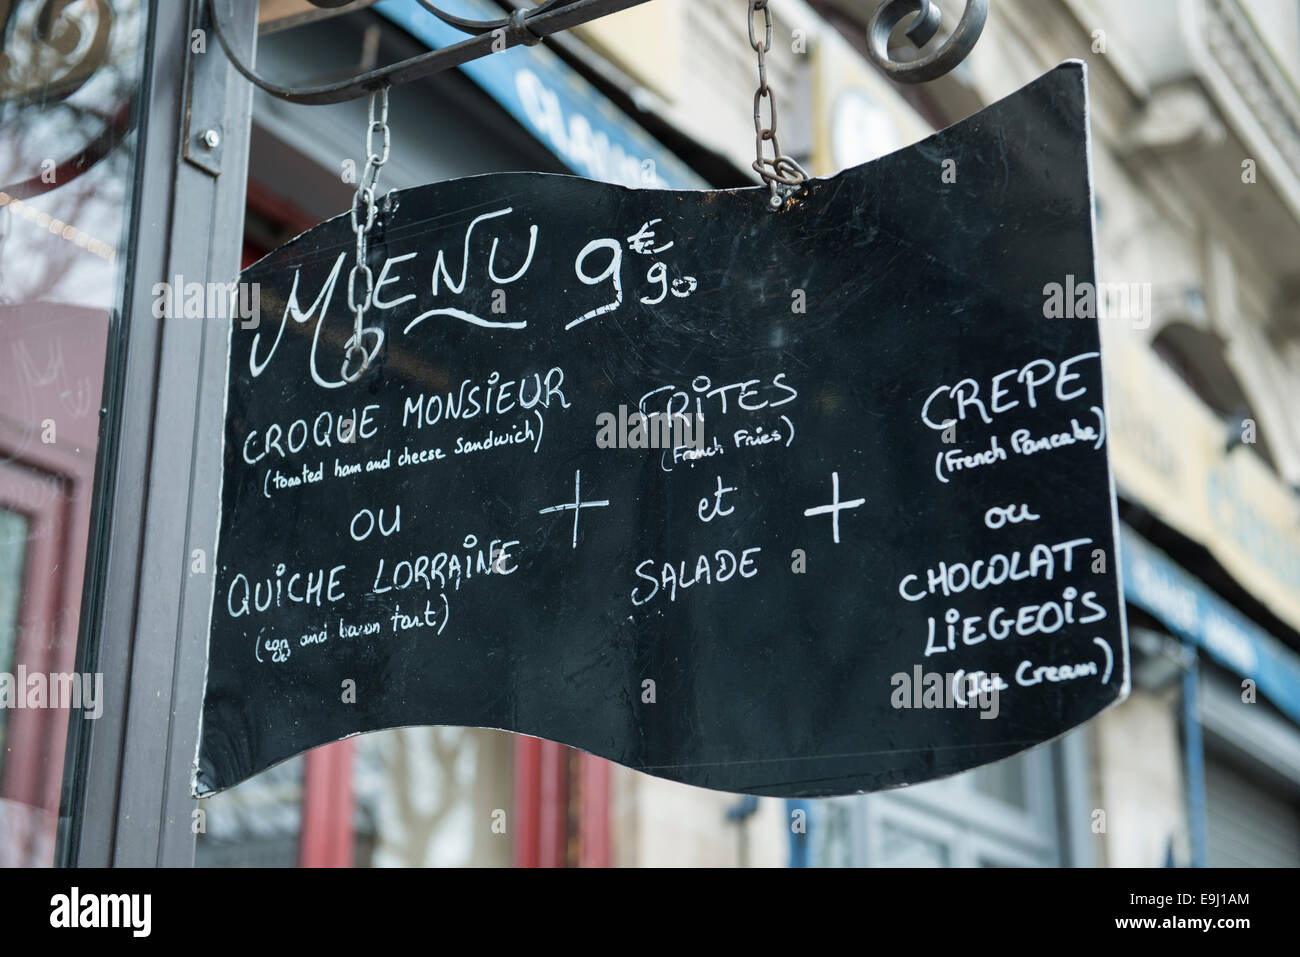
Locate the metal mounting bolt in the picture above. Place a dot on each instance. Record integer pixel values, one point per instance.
(210, 139)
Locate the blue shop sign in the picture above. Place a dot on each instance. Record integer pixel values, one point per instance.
(1157, 584)
(566, 113)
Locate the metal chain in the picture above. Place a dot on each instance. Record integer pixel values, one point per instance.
(363, 201)
(777, 170)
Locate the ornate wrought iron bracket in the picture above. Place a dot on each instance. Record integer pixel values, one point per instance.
(923, 29)
(528, 27)
(523, 27)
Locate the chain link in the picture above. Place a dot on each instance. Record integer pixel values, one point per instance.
(777, 170)
(362, 216)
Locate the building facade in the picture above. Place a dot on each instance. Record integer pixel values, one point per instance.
(1195, 120)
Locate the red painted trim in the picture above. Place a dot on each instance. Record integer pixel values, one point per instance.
(51, 485)
(328, 804)
(553, 816)
(593, 814)
(527, 793)
(541, 796)
(31, 735)
(275, 207)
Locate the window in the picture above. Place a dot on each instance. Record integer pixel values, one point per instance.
(999, 815)
(70, 76)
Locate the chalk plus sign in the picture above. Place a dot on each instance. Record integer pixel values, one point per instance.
(577, 505)
(835, 507)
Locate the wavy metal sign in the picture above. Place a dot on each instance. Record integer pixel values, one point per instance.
(797, 502)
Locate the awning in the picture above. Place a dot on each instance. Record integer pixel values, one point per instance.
(1157, 584)
(568, 115)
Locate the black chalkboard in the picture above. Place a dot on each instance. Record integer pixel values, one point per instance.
(707, 614)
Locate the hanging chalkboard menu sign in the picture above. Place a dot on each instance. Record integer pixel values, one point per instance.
(794, 502)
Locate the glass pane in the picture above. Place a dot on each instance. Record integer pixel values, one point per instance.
(903, 848)
(256, 824)
(70, 76)
(405, 797)
(13, 546)
(1003, 781)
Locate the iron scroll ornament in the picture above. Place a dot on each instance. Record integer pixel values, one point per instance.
(449, 540)
(932, 65)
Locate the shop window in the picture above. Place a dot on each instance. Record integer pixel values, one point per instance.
(998, 815)
(70, 80)
(1004, 782)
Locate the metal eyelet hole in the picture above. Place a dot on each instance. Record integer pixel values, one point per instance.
(356, 353)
